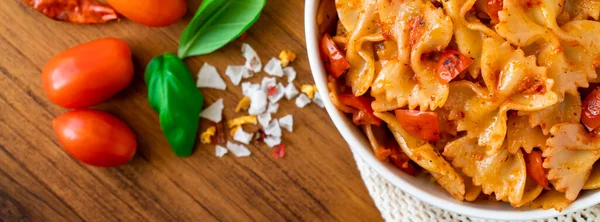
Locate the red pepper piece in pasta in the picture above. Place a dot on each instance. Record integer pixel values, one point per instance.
(399, 158)
(334, 60)
(452, 63)
(75, 11)
(493, 7)
(590, 110)
(420, 124)
(535, 171)
(364, 114)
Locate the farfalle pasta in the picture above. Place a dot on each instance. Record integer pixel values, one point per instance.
(487, 97)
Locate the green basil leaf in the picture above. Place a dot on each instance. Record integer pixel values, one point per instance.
(216, 23)
(173, 94)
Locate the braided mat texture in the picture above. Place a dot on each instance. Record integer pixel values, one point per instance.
(395, 205)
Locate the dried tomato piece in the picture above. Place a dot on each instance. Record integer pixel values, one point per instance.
(75, 11)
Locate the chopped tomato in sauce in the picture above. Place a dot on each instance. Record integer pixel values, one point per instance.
(451, 63)
(493, 7)
(590, 110)
(364, 113)
(421, 124)
(535, 171)
(334, 60)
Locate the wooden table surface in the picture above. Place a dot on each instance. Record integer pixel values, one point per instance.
(317, 180)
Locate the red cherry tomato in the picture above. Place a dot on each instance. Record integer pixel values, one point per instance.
(95, 137)
(155, 13)
(423, 125)
(364, 113)
(535, 171)
(334, 60)
(451, 64)
(88, 74)
(590, 110)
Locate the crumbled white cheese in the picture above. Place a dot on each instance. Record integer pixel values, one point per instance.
(264, 119)
(272, 141)
(273, 129)
(290, 91)
(287, 122)
(238, 150)
(318, 100)
(278, 94)
(214, 112)
(246, 86)
(209, 77)
(302, 101)
(267, 82)
(252, 59)
(273, 67)
(220, 151)
(273, 107)
(258, 101)
(290, 72)
(242, 136)
(235, 73)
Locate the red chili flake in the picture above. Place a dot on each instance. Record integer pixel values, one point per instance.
(279, 151)
(271, 90)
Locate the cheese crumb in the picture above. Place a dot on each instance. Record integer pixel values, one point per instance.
(309, 90)
(302, 100)
(220, 151)
(242, 136)
(287, 122)
(238, 150)
(234, 130)
(273, 67)
(243, 104)
(286, 57)
(272, 141)
(207, 135)
(241, 121)
(208, 77)
(214, 112)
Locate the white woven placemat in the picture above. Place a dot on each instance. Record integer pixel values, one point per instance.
(396, 205)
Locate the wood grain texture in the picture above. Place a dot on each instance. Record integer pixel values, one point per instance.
(317, 180)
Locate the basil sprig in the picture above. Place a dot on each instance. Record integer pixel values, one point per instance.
(216, 23)
(174, 96)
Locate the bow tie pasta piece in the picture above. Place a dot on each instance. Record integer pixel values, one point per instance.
(583, 9)
(530, 193)
(418, 29)
(469, 41)
(389, 93)
(501, 173)
(567, 75)
(570, 155)
(359, 51)
(348, 12)
(586, 52)
(567, 111)
(424, 154)
(551, 199)
(520, 134)
(593, 181)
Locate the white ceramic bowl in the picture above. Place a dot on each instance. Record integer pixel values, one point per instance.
(419, 188)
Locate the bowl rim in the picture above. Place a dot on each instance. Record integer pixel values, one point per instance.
(358, 145)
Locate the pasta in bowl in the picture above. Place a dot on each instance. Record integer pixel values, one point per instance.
(492, 100)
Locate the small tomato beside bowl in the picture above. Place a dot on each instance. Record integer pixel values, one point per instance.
(88, 74)
(154, 13)
(95, 137)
